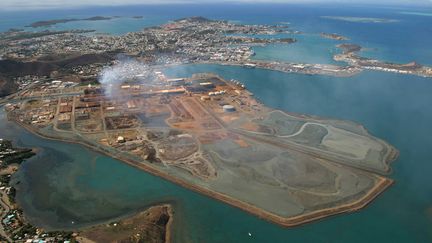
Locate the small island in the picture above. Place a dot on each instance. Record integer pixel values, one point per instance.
(349, 48)
(334, 36)
(48, 23)
(361, 19)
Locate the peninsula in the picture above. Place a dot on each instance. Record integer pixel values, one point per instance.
(210, 135)
(350, 55)
(151, 226)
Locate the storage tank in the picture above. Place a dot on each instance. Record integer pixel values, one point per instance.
(228, 108)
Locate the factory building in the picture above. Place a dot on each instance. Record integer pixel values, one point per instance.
(176, 81)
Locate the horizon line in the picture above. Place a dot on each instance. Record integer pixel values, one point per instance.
(39, 7)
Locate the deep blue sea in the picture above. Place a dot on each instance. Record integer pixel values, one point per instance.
(67, 185)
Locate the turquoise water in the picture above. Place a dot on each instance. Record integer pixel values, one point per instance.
(309, 48)
(68, 182)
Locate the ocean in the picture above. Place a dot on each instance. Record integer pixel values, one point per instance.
(68, 186)
(406, 40)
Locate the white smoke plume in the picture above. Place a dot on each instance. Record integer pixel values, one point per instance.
(112, 77)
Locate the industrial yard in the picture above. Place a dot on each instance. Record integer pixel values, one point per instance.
(211, 135)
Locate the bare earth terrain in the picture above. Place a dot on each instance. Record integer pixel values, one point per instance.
(210, 135)
(150, 226)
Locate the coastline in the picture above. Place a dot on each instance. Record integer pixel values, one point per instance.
(139, 226)
(16, 226)
(169, 225)
(381, 186)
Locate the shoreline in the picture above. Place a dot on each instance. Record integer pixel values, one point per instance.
(11, 232)
(290, 67)
(124, 225)
(169, 225)
(381, 186)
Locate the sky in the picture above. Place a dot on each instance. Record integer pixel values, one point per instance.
(47, 4)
